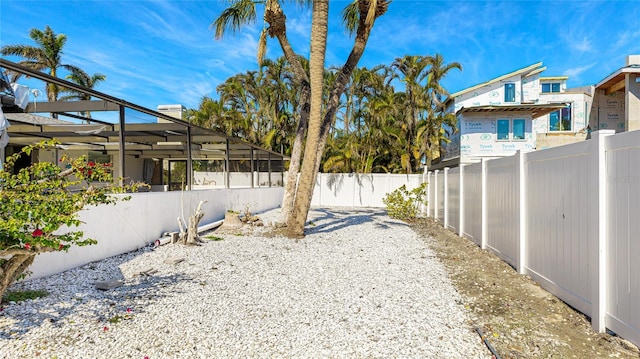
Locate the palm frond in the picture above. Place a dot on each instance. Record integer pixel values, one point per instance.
(233, 18)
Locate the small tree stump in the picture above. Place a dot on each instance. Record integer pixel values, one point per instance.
(190, 236)
(232, 220)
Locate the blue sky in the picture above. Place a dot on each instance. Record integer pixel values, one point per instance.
(164, 52)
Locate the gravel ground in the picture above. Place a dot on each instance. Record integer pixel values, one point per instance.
(519, 318)
(359, 285)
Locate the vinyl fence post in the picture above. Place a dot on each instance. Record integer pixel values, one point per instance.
(522, 197)
(446, 197)
(483, 243)
(599, 245)
(428, 206)
(435, 194)
(461, 207)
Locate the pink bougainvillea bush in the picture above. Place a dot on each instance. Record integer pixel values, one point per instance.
(39, 200)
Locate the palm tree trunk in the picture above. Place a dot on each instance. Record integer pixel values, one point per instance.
(302, 202)
(296, 154)
(362, 36)
(276, 17)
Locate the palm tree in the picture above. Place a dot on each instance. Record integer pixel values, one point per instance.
(437, 72)
(302, 202)
(242, 12)
(47, 55)
(359, 15)
(368, 12)
(438, 125)
(83, 79)
(412, 70)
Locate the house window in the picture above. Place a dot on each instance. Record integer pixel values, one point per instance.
(550, 87)
(503, 129)
(510, 92)
(560, 120)
(518, 129)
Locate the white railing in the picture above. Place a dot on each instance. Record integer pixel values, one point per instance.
(568, 216)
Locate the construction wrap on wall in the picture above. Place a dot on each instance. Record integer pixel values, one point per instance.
(478, 137)
(609, 111)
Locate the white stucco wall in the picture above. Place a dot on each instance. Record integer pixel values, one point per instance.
(132, 224)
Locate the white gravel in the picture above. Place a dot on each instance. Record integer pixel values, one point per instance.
(359, 285)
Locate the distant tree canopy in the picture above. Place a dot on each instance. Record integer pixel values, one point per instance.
(391, 117)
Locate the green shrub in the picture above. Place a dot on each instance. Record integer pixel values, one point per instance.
(404, 204)
(19, 296)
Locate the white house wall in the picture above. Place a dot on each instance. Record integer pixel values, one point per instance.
(493, 94)
(478, 136)
(531, 89)
(579, 112)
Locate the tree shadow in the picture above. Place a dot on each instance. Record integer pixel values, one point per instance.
(334, 219)
(84, 300)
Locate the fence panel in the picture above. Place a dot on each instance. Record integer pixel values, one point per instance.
(429, 206)
(562, 214)
(503, 208)
(453, 204)
(440, 196)
(473, 202)
(353, 190)
(623, 266)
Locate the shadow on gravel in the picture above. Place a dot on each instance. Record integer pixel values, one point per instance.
(335, 219)
(104, 307)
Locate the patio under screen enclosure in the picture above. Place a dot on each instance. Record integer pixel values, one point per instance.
(157, 147)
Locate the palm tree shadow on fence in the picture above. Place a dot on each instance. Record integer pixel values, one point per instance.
(335, 181)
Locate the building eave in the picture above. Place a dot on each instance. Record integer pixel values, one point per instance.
(537, 110)
(615, 81)
(526, 71)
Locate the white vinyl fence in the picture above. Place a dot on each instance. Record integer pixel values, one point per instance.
(359, 190)
(568, 216)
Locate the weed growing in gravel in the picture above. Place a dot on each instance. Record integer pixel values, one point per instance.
(19, 296)
(214, 238)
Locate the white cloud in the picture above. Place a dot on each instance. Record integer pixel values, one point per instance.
(575, 72)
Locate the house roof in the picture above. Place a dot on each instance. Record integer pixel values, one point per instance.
(25, 118)
(536, 110)
(525, 71)
(554, 78)
(169, 139)
(615, 81)
(145, 140)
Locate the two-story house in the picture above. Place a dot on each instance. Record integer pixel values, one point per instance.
(506, 114)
